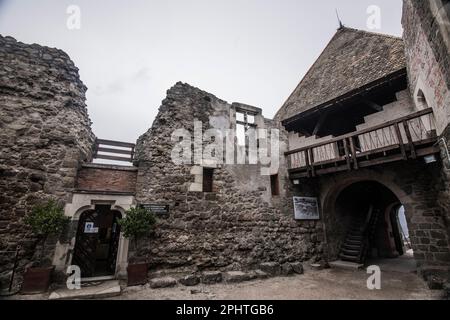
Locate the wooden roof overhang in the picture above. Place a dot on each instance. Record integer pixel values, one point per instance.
(397, 78)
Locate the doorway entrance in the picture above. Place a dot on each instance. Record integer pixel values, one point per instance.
(97, 242)
(368, 222)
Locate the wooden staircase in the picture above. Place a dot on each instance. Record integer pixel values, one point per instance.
(358, 239)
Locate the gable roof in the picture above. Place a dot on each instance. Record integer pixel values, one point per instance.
(351, 60)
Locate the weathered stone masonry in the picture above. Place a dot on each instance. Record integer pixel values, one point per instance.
(427, 39)
(44, 136)
(237, 226)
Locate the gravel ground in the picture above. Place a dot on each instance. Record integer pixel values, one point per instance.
(314, 285)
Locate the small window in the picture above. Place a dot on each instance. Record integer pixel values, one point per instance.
(275, 185)
(240, 135)
(240, 117)
(208, 180)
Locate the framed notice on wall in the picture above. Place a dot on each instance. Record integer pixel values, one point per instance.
(306, 208)
(157, 209)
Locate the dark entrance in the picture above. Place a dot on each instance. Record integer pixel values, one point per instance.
(366, 224)
(97, 242)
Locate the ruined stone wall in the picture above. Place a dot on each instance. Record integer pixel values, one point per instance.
(428, 58)
(237, 226)
(427, 38)
(44, 135)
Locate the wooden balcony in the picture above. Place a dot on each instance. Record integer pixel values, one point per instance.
(114, 150)
(401, 139)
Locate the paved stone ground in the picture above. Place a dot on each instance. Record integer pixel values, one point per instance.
(313, 285)
(398, 282)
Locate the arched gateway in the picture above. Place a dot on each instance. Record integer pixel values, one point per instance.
(362, 220)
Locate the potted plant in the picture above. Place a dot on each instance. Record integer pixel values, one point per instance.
(45, 220)
(137, 223)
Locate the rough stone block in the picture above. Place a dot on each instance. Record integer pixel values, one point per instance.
(195, 187)
(211, 277)
(260, 274)
(297, 267)
(271, 268)
(165, 282)
(238, 276)
(190, 280)
(286, 269)
(197, 170)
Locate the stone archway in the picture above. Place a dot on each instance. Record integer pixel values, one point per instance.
(337, 224)
(80, 204)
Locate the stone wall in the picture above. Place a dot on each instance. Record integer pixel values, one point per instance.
(427, 38)
(44, 135)
(107, 179)
(237, 226)
(428, 59)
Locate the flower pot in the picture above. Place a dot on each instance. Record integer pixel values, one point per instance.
(36, 280)
(137, 274)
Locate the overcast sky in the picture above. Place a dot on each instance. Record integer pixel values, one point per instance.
(130, 52)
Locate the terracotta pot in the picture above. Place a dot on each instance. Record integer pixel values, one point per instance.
(137, 274)
(36, 280)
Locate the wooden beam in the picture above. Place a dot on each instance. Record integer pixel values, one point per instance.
(400, 141)
(109, 150)
(347, 153)
(410, 141)
(308, 168)
(311, 154)
(100, 156)
(353, 149)
(115, 143)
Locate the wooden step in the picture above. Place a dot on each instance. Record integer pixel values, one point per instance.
(352, 247)
(349, 258)
(351, 253)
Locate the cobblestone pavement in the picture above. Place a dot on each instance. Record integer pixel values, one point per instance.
(317, 285)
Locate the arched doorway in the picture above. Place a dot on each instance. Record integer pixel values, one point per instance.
(363, 223)
(97, 242)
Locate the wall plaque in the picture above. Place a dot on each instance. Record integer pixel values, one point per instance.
(157, 209)
(306, 208)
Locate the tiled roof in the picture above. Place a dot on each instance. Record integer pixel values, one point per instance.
(352, 59)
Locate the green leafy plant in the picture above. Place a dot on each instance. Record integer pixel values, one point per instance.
(46, 220)
(137, 223)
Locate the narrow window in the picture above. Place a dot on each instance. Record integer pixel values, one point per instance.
(275, 185)
(208, 179)
(244, 122)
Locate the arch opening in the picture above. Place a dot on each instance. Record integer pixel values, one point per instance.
(97, 241)
(367, 221)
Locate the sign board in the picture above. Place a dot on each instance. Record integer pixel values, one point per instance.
(89, 228)
(306, 208)
(157, 209)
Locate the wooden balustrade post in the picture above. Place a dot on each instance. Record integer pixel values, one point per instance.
(410, 140)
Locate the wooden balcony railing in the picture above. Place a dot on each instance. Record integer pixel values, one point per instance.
(400, 139)
(114, 150)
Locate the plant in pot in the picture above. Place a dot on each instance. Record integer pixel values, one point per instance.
(45, 220)
(138, 223)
